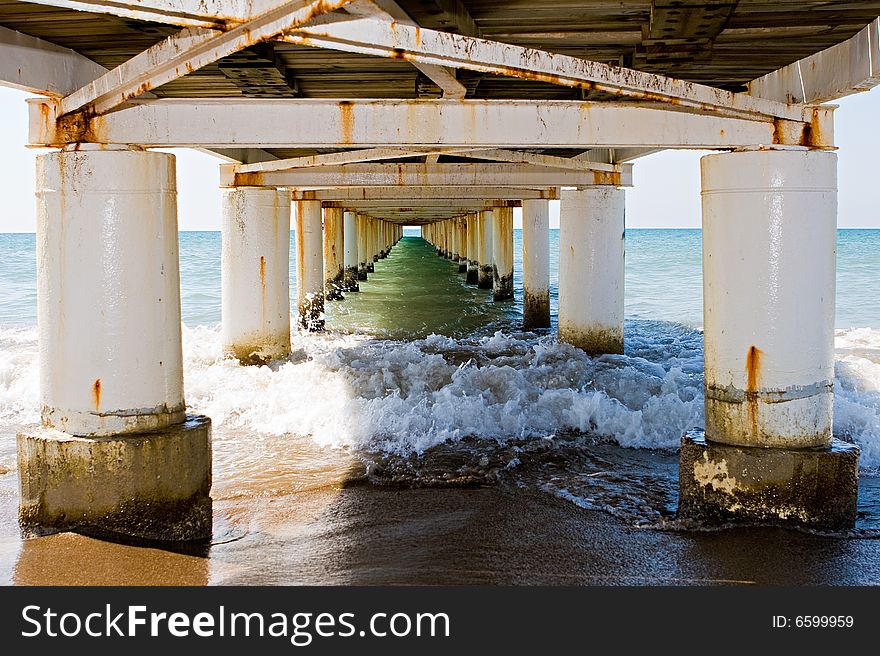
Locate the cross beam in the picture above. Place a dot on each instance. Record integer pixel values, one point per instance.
(506, 124)
(418, 195)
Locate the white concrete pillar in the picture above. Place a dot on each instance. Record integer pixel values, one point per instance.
(363, 246)
(502, 253)
(255, 274)
(116, 451)
(473, 262)
(485, 232)
(372, 253)
(591, 269)
(536, 263)
(461, 237)
(310, 265)
(333, 247)
(768, 295)
(350, 258)
(108, 291)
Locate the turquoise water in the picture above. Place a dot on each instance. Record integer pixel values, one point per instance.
(663, 277)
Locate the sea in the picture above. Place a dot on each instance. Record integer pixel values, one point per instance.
(425, 381)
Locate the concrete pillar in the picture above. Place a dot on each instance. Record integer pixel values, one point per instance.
(536, 263)
(362, 229)
(309, 265)
(333, 247)
(591, 269)
(350, 257)
(502, 253)
(115, 452)
(255, 274)
(485, 232)
(473, 263)
(461, 233)
(372, 254)
(769, 231)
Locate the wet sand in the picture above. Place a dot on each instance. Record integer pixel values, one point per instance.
(363, 534)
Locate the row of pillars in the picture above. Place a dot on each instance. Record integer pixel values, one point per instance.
(117, 451)
(335, 248)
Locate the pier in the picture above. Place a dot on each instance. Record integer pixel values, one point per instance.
(348, 119)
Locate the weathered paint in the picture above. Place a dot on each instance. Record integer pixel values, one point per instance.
(721, 483)
(769, 221)
(108, 291)
(502, 253)
(351, 239)
(309, 265)
(536, 263)
(333, 246)
(591, 269)
(485, 232)
(255, 273)
(152, 485)
(362, 246)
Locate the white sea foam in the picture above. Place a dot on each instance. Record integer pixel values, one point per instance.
(404, 397)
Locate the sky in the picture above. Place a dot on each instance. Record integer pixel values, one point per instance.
(666, 193)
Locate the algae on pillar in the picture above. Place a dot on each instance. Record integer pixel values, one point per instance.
(116, 454)
(536, 263)
(255, 274)
(309, 265)
(333, 247)
(502, 253)
(768, 454)
(591, 269)
(473, 264)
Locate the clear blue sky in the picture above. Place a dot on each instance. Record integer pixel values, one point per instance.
(666, 192)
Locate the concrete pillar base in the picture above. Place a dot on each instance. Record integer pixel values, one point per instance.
(503, 285)
(536, 310)
(473, 273)
(152, 486)
(484, 277)
(311, 313)
(350, 280)
(719, 483)
(370, 268)
(333, 290)
(462, 266)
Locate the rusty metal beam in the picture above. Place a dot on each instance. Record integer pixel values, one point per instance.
(422, 175)
(418, 195)
(344, 157)
(506, 124)
(391, 11)
(519, 157)
(184, 13)
(838, 71)
(186, 51)
(394, 40)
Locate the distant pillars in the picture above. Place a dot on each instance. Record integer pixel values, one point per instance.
(333, 247)
(485, 232)
(255, 274)
(362, 229)
(502, 253)
(473, 263)
(536, 263)
(591, 269)
(309, 265)
(769, 222)
(350, 252)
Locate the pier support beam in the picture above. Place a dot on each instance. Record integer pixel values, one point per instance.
(473, 263)
(502, 253)
(591, 249)
(461, 236)
(536, 263)
(116, 453)
(333, 246)
(309, 265)
(350, 257)
(485, 232)
(769, 231)
(255, 274)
